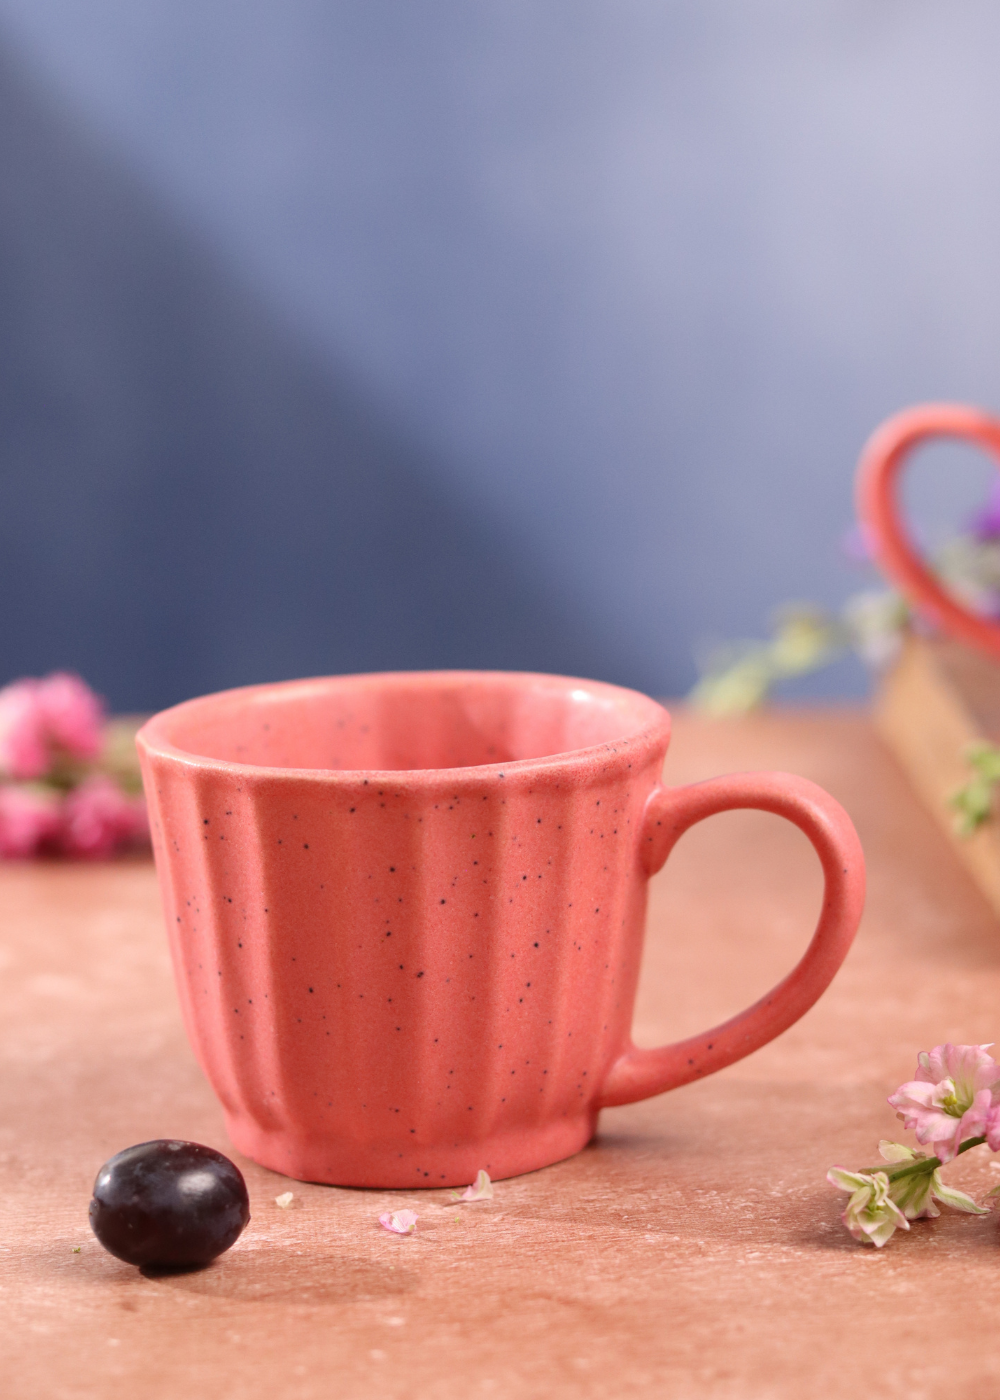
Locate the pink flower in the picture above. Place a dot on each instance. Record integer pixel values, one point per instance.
(74, 716)
(97, 818)
(24, 752)
(29, 817)
(951, 1098)
(39, 719)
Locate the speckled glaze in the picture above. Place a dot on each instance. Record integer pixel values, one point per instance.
(406, 914)
(879, 471)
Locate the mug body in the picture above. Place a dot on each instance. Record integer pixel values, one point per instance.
(405, 913)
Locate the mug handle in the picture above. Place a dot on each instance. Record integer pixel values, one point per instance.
(638, 1074)
(879, 468)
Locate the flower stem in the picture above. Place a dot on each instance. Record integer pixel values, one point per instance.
(923, 1164)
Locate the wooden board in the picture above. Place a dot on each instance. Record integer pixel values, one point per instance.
(939, 698)
(693, 1250)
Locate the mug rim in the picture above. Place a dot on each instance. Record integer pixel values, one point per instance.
(152, 738)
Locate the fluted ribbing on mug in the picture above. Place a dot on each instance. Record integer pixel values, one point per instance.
(401, 968)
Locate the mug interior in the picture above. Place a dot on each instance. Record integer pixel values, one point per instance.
(393, 722)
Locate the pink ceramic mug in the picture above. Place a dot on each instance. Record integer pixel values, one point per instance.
(406, 914)
(879, 470)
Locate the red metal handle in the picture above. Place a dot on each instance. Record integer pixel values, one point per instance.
(879, 469)
(637, 1074)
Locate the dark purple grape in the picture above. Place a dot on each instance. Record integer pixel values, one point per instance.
(169, 1204)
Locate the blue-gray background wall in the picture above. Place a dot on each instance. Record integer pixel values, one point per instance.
(350, 334)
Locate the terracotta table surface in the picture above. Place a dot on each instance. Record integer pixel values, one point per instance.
(693, 1249)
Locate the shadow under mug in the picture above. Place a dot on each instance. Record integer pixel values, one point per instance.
(406, 914)
(879, 471)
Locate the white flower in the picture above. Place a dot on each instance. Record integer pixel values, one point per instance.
(916, 1193)
(871, 1215)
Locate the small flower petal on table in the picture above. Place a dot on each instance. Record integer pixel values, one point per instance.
(400, 1222)
(480, 1190)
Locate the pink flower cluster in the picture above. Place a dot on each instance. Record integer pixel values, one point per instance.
(94, 819)
(53, 798)
(955, 1096)
(952, 1105)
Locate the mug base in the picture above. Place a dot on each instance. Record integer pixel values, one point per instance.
(405, 1166)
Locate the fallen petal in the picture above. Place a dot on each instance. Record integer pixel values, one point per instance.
(400, 1222)
(480, 1190)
